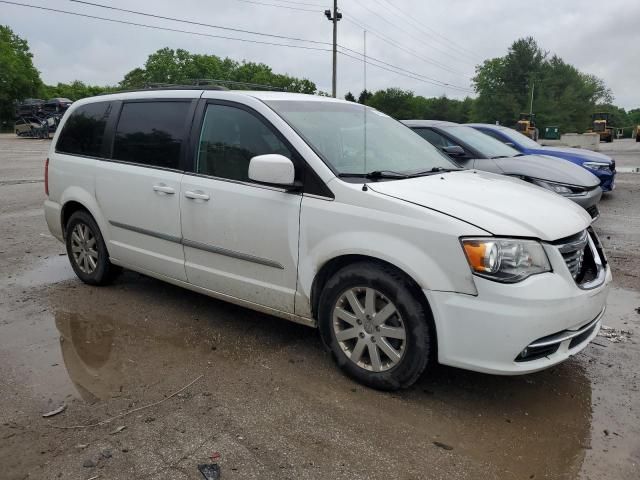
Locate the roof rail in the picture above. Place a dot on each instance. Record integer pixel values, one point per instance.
(200, 84)
(232, 83)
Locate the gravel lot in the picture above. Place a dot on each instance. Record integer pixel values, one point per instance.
(266, 396)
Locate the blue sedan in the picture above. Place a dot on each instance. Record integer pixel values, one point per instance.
(600, 165)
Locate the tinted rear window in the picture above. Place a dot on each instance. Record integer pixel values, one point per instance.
(83, 132)
(151, 133)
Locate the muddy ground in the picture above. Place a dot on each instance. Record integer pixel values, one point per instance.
(265, 395)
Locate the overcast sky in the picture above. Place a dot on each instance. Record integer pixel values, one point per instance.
(447, 38)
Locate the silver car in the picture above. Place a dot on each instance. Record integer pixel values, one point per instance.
(470, 148)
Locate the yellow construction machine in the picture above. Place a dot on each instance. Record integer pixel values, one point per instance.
(601, 126)
(527, 125)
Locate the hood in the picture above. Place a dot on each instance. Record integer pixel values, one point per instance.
(500, 205)
(575, 152)
(544, 167)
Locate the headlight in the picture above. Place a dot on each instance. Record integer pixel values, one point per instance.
(597, 166)
(505, 260)
(560, 188)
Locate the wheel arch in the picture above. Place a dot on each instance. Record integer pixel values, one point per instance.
(74, 199)
(331, 266)
(68, 209)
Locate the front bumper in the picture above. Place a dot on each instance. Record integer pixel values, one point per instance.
(488, 332)
(588, 201)
(607, 179)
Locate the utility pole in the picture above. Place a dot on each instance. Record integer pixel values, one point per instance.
(334, 18)
(533, 86)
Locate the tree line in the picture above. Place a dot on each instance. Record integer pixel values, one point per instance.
(562, 95)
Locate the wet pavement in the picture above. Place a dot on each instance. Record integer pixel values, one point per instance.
(266, 396)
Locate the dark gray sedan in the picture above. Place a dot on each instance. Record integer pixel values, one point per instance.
(470, 148)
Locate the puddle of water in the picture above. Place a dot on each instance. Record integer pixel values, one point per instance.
(47, 272)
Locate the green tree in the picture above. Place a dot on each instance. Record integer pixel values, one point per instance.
(168, 66)
(394, 102)
(19, 78)
(563, 96)
(349, 97)
(364, 96)
(73, 91)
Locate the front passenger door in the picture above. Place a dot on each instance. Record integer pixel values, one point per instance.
(240, 238)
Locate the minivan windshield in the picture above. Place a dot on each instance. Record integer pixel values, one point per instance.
(519, 138)
(336, 131)
(483, 143)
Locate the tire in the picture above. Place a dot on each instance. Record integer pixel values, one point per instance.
(91, 265)
(359, 333)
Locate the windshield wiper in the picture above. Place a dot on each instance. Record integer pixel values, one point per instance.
(391, 174)
(500, 156)
(376, 174)
(433, 170)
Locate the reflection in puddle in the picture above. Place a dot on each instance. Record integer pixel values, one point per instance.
(86, 347)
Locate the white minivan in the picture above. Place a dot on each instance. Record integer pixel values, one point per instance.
(333, 215)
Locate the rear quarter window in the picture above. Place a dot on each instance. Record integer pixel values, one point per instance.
(83, 132)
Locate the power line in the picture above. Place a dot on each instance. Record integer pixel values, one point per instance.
(378, 63)
(93, 4)
(440, 82)
(421, 27)
(408, 74)
(302, 3)
(399, 46)
(182, 20)
(404, 31)
(281, 6)
(155, 27)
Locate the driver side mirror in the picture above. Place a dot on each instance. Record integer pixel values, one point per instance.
(272, 169)
(454, 151)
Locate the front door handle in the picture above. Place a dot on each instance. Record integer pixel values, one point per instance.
(162, 188)
(197, 195)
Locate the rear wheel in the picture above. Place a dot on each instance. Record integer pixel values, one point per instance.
(377, 330)
(87, 251)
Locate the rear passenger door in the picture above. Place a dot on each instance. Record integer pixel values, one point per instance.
(138, 189)
(240, 238)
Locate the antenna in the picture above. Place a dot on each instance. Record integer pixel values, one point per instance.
(364, 100)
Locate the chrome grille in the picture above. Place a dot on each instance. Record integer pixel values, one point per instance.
(573, 252)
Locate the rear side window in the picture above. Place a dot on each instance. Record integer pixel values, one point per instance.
(83, 132)
(151, 133)
(493, 134)
(230, 137)
(434, 138)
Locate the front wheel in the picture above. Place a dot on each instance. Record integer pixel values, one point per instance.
(378, 331)
(87, 251)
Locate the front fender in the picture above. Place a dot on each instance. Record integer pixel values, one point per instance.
(434, 260)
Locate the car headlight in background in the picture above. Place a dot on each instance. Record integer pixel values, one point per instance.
(505, 260)
(562, 189)
(598, 166)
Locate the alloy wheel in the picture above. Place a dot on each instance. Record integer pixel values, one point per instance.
(83, 248)
(369, 329)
